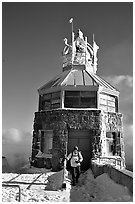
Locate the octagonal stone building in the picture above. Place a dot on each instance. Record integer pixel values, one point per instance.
(77, 107)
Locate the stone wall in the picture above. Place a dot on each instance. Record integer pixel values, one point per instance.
(60, 121)
(113, 122)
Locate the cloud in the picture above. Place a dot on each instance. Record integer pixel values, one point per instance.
(12, 135)
(120, 80)
(124, 83)
(16, 147)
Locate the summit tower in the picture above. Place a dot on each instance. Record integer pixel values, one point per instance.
(77, 107)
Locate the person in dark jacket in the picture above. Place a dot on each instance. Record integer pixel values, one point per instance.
(75, 161)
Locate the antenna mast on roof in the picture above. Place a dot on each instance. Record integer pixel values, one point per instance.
(71, 21)
(72, 39)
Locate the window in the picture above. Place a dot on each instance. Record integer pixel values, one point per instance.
(51, 101)
(46, 141)
(108, 103)
(111, 138)
(80, 99)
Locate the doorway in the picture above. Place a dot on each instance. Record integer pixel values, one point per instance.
(82, 139)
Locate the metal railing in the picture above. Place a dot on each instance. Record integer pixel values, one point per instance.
(14, 186)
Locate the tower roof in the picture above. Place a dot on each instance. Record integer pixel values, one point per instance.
(79, 68)
(77, 77)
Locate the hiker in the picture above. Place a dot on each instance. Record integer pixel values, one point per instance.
(75, 158)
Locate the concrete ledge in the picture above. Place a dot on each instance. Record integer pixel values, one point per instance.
(123, 177)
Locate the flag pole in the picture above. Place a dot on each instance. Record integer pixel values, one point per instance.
(72, 44)
(72, 32)
(72, 38)
(71, 21)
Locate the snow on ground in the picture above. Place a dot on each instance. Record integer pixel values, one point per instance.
(101, 189)
(39, 185)
(36, 195)
(42, 185)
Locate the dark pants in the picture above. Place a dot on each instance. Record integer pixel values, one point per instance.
(75, 171)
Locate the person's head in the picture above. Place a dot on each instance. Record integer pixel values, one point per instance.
(75, 149)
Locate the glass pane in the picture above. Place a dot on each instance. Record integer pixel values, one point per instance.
(47, 105)
(111, 103)
(50, 141)
(71, 102)
(72, 93)
(56, 105)
(55, 101)
(111, 109)
(103, 107)
(56, 95)
(46, 141)
(103, 96)
(116, 104)
(111, 98)
(103, 101)
(88, 93)
(87, 103)
(47, 96)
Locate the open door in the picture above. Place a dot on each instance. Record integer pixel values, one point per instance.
(82, 139)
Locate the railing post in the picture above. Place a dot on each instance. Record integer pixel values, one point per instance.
(14, 186)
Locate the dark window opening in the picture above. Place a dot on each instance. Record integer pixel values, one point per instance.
(50, 101)
(46, 141)
(113, 140)
(80, 99)
(116, 104)
(72, 93)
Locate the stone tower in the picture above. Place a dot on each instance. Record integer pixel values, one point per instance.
(77, 107)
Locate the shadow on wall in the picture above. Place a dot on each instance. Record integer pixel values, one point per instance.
(16, 148)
